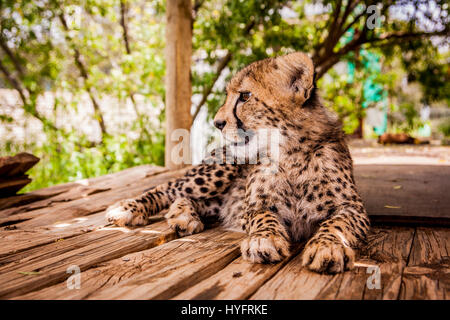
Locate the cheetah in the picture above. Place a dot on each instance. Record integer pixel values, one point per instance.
(310, 197)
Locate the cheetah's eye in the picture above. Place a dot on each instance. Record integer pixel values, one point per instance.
(244, 96)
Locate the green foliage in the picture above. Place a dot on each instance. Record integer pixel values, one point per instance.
(88, 57)
(67, 158)
(410, 117)
(445, 128)
(252, 30)
(344, 97)
(428, 67)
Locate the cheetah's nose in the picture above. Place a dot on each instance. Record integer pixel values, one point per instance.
(220, 124)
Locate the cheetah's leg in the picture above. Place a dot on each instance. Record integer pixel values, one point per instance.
(268, 241)
(137, 211)
(201, 182)
(331, 248)
(183, 217)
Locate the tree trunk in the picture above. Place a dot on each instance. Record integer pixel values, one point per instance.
(178, 82)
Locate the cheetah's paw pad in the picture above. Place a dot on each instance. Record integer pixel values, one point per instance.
(328, 257)
(124, 214)
(258, 249)
(184, 223)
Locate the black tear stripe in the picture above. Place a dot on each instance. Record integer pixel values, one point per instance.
(309, 103)
(239, 123)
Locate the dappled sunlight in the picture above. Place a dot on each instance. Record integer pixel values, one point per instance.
(62, 225)
(83, 182)
(360, 264)
(185, 240)
(150, 231)
(122, 229)
(65, 224)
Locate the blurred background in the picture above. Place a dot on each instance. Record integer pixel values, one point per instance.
(82, 83)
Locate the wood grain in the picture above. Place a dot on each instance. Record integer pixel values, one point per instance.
(427, 275)
(95, 199)
(181, 268)
(48, 230)
(404, 190)
(387, 249)
(50, 263)
(157, 273)
(17, 165)
(237, 281)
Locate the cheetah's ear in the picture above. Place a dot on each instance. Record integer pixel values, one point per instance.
(298, 74)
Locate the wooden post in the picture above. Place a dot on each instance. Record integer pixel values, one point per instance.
(178, 77)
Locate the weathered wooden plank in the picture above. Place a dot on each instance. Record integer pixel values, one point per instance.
(16, 241)
(409, 221)
(388, 249)
(9, 186)
(237, 281)
(89, 204)
(12, 172)
(108, 181)
(157, 273)
(74, 193)
(404, 190)
(184, 266)
(391, 254)
(17, 165)
(45, 269)
(41, 194)
(431, 247)
(427, 275)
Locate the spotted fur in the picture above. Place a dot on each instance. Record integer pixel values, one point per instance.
(312, 195)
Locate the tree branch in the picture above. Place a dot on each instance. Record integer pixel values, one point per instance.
(335, 32)
(123, 14)
(14, 83)
(356, 19)
(407, 35)
(207, 90)
(80, 65)
(197, 5)
(362, 39)
(222, 65)
(32, 111)
(11, 56)
(123, 24)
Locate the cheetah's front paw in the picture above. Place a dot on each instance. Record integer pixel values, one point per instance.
(260, 249)
(183, 222)
(327, 256)
(126, 213)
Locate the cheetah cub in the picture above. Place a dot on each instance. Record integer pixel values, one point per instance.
(311, 196)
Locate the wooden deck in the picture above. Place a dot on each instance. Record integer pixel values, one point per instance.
(45, 232)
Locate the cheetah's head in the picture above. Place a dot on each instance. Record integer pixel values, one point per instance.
(257, 92)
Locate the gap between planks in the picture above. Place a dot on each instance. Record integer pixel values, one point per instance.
(427, 274)
(38, 271)
(157, 273)
(388, 249)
